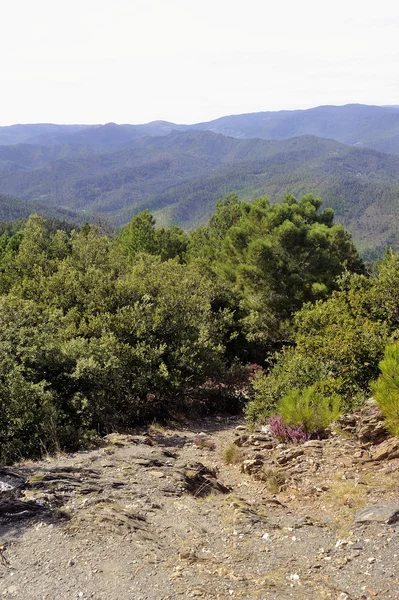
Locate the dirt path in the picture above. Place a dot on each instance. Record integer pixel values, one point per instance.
(154, 516)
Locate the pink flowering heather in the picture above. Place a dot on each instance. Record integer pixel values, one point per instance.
(285, 433)
(201, 443)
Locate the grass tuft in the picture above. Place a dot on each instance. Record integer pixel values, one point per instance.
(232, 455)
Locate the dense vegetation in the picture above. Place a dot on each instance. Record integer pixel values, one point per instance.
(13, 209)
(338, 344)
(266, 302)
(100, 332)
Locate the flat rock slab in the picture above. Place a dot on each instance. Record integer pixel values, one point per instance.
(379, 513)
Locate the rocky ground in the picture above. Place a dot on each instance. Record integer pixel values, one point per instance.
(159, 515)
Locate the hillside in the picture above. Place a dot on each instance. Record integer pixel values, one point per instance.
(354, 124)
(180, 176)
(29, 133)
(361, 125)
(14, 209)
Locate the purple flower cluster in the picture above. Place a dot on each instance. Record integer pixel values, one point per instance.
(285, 433)
(201, 443)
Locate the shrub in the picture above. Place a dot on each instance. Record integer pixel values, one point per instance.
(338, 343)
(292, 369)
(310, 408)
(386, 388)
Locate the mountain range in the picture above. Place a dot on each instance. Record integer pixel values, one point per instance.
(374, 127)
(349, 156)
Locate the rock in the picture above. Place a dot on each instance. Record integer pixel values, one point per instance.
(288, 455)
(257, 439)
(11, 485)
(240, 441)
(347, 422)
(266, 429)
(199, 480)
(158, 474)
(388, 449)
(266, 446)
(379, 513)
(370, 427)
(251, 465)
(240, 428)
(313, 444)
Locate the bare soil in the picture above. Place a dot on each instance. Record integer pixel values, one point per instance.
(155, 516)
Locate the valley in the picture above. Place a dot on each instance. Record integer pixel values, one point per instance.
(179, 172)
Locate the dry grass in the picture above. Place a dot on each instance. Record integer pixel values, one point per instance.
(275, 480)
(156, 429)
(383, 481)
(343, 500)
(232, 455)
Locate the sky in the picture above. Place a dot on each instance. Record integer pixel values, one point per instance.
(186, 61)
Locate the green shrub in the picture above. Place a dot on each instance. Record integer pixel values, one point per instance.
(292, 369)
(310, 408)
(386, 388)
(338, 343)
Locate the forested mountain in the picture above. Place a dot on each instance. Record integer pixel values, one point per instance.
(354, 124)
(13, 209)
(180, 176)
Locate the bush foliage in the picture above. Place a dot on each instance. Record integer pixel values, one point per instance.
(310, 409)
(337, 342)
(386, 388)
(100, 333)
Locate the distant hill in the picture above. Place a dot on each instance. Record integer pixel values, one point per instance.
(360, 125)
(14, 209)
(180, 176)
(35, 133)
(374, 127)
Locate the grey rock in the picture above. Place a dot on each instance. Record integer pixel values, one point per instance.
(313, 444)
(240, 441)
(379, 513)
(11, 485)
(347, 422)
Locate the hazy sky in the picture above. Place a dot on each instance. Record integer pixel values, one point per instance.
(134, 61)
